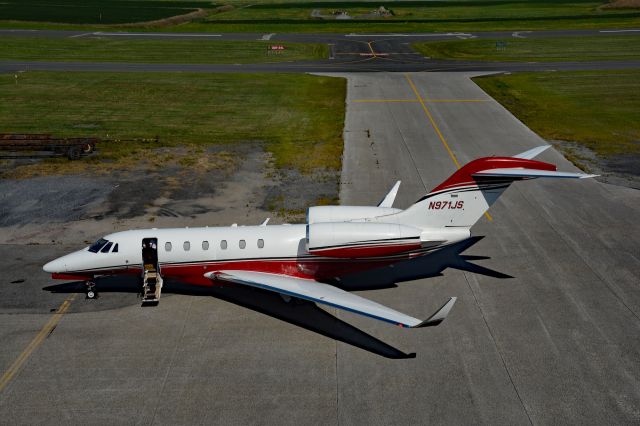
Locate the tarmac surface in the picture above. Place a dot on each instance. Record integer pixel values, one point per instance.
(348, 53)
(544, 331)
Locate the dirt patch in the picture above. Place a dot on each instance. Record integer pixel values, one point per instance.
(622, 4)
(49, 200)
(218, 186)
(294, 192)
(621, 170)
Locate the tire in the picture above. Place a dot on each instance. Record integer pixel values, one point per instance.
(91, 294)
(74, 153)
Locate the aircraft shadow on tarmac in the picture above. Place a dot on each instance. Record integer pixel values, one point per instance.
(307, 314)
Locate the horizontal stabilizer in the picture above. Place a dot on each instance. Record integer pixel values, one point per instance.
(532, 153)
(329, 295)
(388, 200)
(531, 173)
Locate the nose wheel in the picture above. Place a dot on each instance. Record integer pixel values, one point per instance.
(90, 291)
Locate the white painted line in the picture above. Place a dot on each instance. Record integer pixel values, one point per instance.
(267, 36)
(81, 35)
(100, 33)
(619, 31)
(518, 34)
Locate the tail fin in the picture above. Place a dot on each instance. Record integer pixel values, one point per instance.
(463, 198)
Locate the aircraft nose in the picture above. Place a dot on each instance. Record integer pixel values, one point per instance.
(54, 266)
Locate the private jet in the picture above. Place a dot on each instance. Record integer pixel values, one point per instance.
(306, 261)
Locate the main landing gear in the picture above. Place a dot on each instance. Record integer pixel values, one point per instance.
(90, 291)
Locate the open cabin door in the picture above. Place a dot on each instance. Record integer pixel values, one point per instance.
(151, 278)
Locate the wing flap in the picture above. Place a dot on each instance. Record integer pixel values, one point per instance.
(328, 295)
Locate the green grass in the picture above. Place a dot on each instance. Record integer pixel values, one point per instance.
(599, 109)
(614, 47)
(150, 51)
(298, 117)
(425, 16)
(96, 11)
(410, 16)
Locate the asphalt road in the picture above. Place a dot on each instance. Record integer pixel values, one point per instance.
(554, 344)
(348, 53)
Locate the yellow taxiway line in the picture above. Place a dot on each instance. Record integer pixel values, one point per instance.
(435, 127)
(35, 343)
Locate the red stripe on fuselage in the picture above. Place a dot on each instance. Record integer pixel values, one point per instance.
(303, 267)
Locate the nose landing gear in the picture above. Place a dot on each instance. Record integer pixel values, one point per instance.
(90, 291)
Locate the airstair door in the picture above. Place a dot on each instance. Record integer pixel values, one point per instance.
(151, 278)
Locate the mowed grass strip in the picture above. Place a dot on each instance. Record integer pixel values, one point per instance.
(409, 16)
(111, 49)
(96, 11)
(614, 47)
(599, 109)
(299, 118)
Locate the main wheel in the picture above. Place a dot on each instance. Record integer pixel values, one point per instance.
(91, 294)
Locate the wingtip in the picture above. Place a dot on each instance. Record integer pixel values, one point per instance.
(439, 316)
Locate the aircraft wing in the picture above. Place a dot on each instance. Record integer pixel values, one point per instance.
(329, 295)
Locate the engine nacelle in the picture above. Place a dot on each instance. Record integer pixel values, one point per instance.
(323, 214)
(361, 239)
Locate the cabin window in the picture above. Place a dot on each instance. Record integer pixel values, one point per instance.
(115, 248)
(95, 247)
(242, 244)
(260, 243)
(186, 246)
(205, 245)
(106, 248)
(167, 246)
(223, 244)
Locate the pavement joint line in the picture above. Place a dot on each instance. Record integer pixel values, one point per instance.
(435, 127)
(495, 344)
(44, 332)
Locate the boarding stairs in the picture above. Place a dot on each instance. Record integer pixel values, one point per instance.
(151, 286)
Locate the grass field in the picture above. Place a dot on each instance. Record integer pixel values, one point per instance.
(285, 16)
(615, 47)
(298, 117)
(599, 109)
(427, 15)
(150, 51)
(96, 11)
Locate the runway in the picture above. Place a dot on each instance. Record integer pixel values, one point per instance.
(348, 53)
(555, 344)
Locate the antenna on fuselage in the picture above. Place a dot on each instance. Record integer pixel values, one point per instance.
(265, 222)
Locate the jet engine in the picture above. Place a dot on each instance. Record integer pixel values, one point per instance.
(321, 214)
(361, 239)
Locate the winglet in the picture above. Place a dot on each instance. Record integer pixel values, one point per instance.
(388, 200)
(439, 316)
(532, 153)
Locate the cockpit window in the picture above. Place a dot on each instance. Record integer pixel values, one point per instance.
(106, 248)
(95, 247)
(115, 248)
